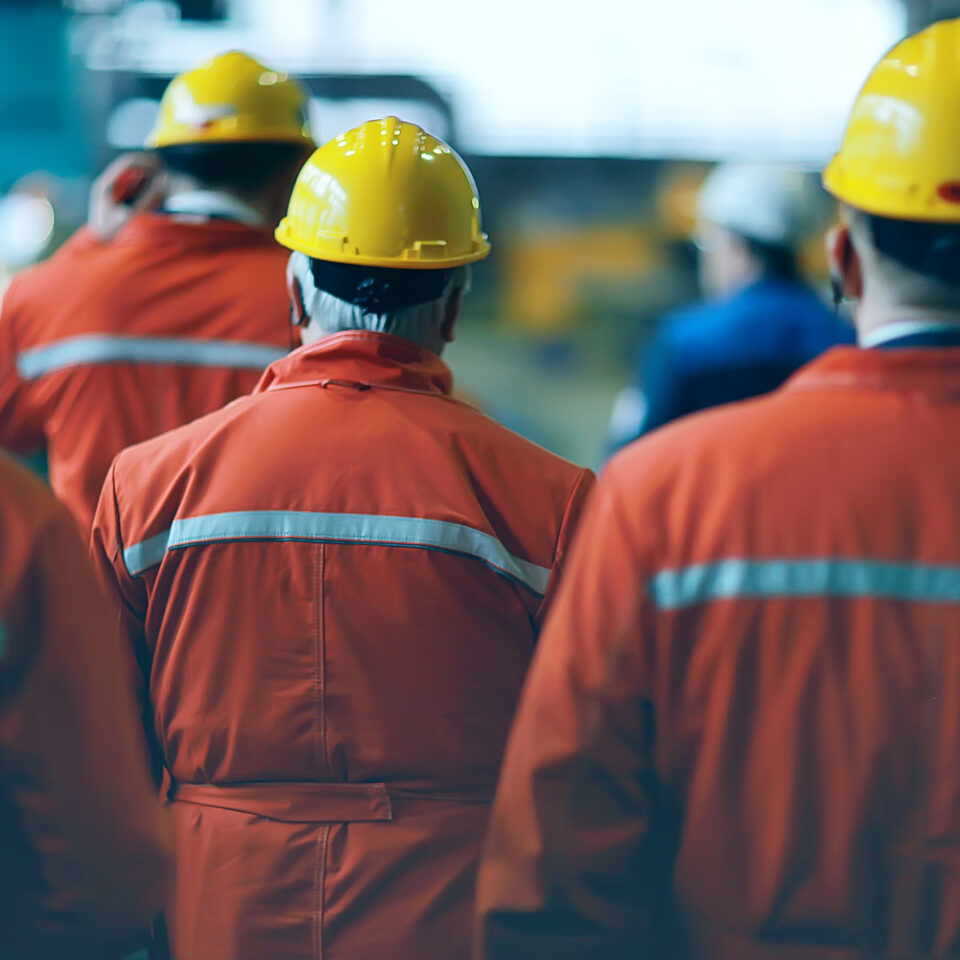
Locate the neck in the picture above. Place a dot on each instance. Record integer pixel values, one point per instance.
(314, 332)
(740, 275)
(876, 318)
(188, 197)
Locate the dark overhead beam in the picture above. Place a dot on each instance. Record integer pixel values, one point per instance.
(924, 12)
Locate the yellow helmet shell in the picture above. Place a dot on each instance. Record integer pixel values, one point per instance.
(900, 156)
(232, 99)
(386, 194)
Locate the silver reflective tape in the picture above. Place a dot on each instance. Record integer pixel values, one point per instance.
(757, 579)
(100, 349)
(337, 528)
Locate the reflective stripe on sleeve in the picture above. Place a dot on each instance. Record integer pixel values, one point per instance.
(337, 528)
(101, 349)
(773, 578)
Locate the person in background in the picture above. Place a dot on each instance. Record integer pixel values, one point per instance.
(172, 301)
(86, 846)
(335, 586)
(740, 734)
(759, 322)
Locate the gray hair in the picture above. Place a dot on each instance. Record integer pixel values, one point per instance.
(421, 323)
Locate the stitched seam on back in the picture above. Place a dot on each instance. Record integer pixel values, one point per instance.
(322, 887)
(317, 858)
(317, 692)
(322, 589)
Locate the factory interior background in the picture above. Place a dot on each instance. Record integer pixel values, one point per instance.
(587, 133)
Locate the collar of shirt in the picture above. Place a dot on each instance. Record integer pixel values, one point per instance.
(213, 203)
(361, 359)
(912, 333)
(931, 373)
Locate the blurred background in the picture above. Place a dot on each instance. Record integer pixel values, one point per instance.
(589, 127)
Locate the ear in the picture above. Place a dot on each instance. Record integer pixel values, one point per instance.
(450, 320)
(845, 266)
(298, 315)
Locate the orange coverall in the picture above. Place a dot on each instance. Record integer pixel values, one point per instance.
(108, 344)
(334, 587)
(740, 739)
(85, 846)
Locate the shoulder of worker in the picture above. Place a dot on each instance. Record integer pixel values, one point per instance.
(28, 512)
(84, 251)
(127, 285)
(464, 431)
(745, 443)
(463, 424)
(153, 230)
(25, 496)
(43, 277)
(771, 318)
(253, 451)
(160, 459)
(75, 268)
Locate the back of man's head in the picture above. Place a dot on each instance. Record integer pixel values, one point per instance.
(753, 218)
(413, 304)
(911, 262)
(383, 222)
(772, 206)
(244, 169)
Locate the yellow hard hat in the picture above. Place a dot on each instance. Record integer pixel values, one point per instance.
(900, 157)
(232, 99)
(387, 195)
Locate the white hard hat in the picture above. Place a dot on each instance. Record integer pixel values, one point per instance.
(771, 204)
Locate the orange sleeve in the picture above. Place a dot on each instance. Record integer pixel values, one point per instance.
(21, 426)
(572, 513)
(128, 598)
(73, 762)
(82, 239)
(572, 863)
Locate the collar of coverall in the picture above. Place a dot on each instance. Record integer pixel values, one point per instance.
(152, 227)
(210, 204)
(361, 359)
(932, 373)
(913, 333)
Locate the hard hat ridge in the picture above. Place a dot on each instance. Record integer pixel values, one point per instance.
(900, 156)
(232, 98)
(386, 194)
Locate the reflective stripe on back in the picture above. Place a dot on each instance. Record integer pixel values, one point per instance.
(337, 528)
(775, 578)
(97, 348)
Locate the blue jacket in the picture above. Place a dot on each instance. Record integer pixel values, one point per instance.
(720, 352)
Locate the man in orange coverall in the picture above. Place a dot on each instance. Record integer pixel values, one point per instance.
(141, 324)
(741, 732)
(85, 845)
(334, 587)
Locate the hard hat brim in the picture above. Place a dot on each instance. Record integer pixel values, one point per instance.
(286, 238)
(863, 195)
(157, 142)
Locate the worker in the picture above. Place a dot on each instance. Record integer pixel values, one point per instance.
(760, 322)
(338, 582)
(739, 737)
(86, 846)
(143, 322)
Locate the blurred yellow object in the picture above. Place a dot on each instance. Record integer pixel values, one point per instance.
(677, 199)
(549, 274)
(900, 157)
(232, 99)
(386, 194)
